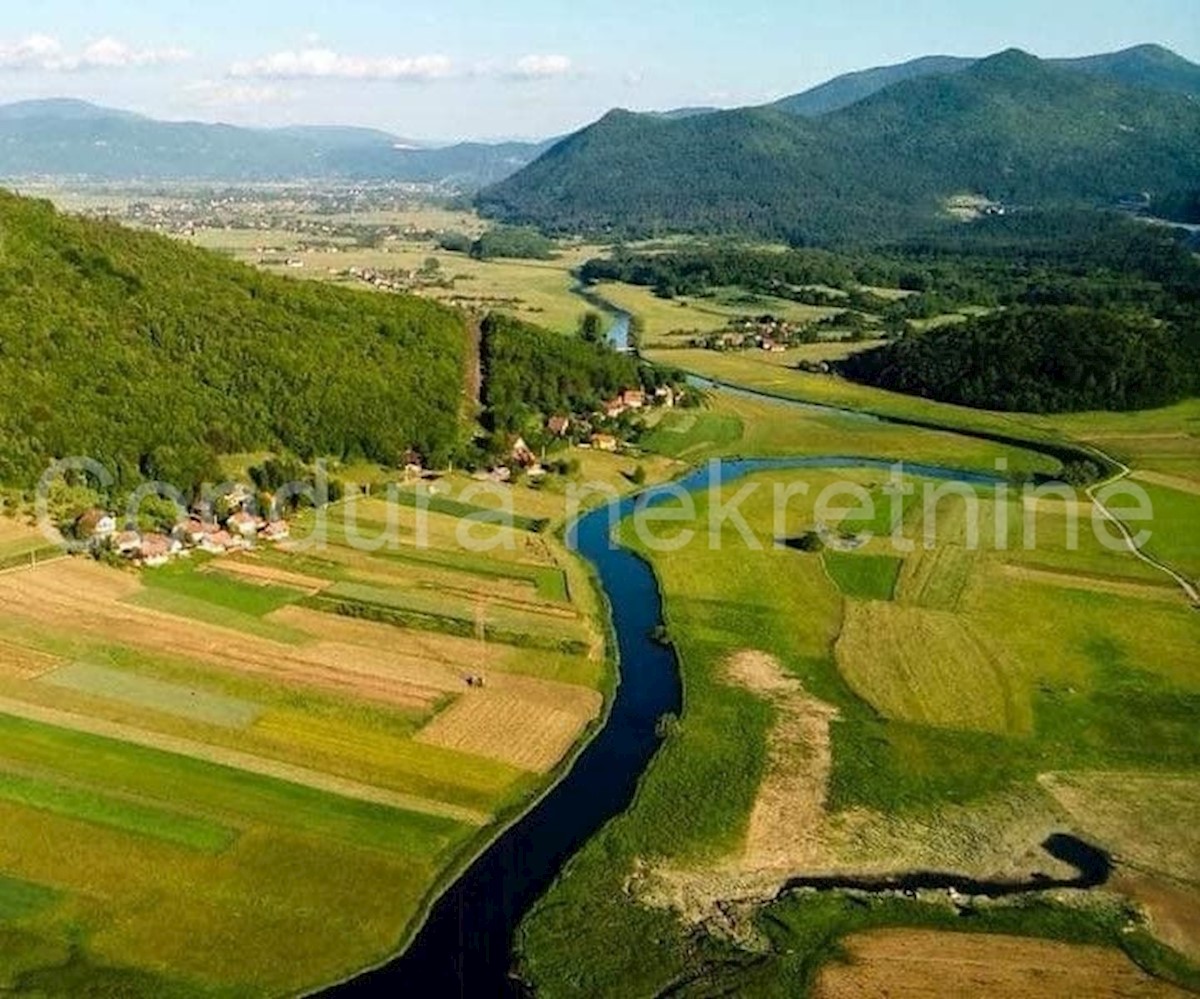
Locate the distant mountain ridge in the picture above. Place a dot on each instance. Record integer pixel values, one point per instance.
(76, 139)
(1143, 65)
(1012, 127)
(66, 138)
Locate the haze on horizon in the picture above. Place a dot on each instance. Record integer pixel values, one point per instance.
(467, 69)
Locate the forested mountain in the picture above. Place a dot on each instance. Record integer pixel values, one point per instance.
(1011, 127)
(65, 138)
(152, 357)
(1044, 360)
(1144, 65)
(850, 88)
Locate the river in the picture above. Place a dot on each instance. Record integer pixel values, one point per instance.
(465, 946)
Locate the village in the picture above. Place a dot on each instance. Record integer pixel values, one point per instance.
(612, 428)
(239, 530)
(766, 332)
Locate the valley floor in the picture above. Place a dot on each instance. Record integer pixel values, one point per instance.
(872, 711)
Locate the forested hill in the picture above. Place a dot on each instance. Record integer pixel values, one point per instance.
(1010, 127)
(1149, 66)
(153, 357)
(1044, 360)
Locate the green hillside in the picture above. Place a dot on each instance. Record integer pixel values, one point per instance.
(1045, 360)
(153, 357)
(1010, 127)
(1141, 66)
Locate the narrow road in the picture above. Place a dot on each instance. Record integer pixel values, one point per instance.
(1125, 471)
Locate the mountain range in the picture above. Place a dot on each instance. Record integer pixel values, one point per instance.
(73, 139)
(1012, 128)
(1144, 65)
(76, 139)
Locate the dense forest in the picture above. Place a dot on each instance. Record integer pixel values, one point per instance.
(1080, 258)
(1013, 128)
(153, 357)
(1043, 360)
(531, 373)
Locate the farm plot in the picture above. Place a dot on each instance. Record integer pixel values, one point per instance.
(930, 667)
(143, 691)
(525, 723)
(921, 964)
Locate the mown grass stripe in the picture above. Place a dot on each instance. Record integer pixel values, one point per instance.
(128, 816)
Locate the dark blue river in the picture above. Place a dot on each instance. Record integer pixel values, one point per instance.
(465, 946)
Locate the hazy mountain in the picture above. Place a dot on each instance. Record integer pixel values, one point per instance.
(1011, 127)
(1144, 65)
(69, 138)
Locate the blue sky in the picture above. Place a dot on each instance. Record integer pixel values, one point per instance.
(473, 68)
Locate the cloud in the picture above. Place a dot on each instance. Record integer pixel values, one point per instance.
(317, 63)
(224, 94)
(540, 67)
(46, 53)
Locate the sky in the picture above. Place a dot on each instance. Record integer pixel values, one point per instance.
(492, 69)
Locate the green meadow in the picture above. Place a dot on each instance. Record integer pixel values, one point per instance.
(957, 681)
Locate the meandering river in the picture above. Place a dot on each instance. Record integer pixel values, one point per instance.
(465, 945)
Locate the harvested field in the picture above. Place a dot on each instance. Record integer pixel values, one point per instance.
(432, 647)
(1093, 584)
(1176, 482)
(24, 663)
(238, 761)
(1081, 508)
(526, 723)
(924, 964)
(88, 596)
(786, 824)
(936, 578)
(928, 666)
(1172, 909)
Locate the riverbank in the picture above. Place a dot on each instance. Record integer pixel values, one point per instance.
(918, 780)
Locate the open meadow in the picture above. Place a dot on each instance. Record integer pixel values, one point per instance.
(942, 706)
(245, 775)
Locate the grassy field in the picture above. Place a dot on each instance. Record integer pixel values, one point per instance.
(956, 682)
(210, 786)
(741, 425)
(674, 322)
(539, 291)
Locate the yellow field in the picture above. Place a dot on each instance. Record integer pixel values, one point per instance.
(530, 727)
(920, 964)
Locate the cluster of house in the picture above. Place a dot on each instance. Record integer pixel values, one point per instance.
(384, 281)
(241, 530)
(763, 332)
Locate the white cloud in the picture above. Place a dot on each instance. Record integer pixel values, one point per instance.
(317, 63)
(540, 67)
(46, 53)
(220, 94)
